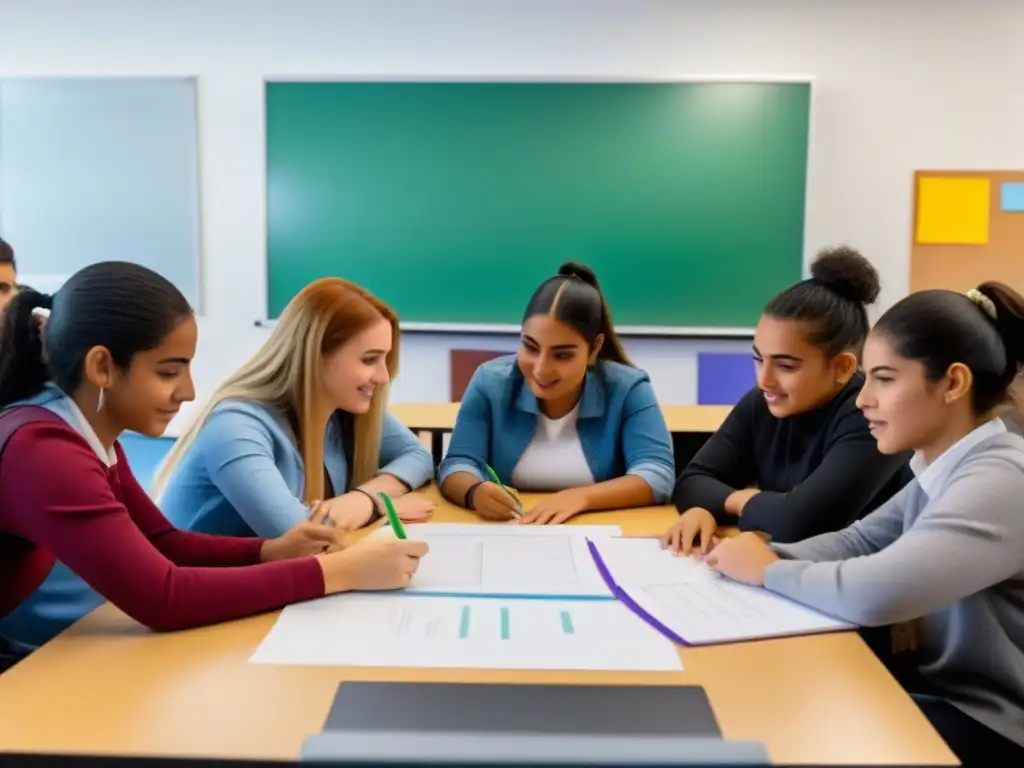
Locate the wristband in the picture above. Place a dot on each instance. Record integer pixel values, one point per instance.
(373, 503)
(467, 501)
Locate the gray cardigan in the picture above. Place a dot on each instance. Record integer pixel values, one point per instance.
(954, 560)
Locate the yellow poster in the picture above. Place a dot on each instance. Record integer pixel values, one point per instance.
(953, 211)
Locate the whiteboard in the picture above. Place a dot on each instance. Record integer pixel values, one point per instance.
(100, 169)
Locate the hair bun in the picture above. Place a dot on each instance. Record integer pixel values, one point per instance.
(579, 271)
(846, 272)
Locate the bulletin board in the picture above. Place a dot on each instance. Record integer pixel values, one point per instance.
(968, 228)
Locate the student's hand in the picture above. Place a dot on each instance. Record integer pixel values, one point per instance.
(744, 558)
(412, 508)
(693, 525)
(491, 502)
(372, 564)
(349, 512)
(310, 537)
(737, 500)
(558, 507)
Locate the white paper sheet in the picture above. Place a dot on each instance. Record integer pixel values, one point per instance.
(508, 560)
(699, 605)
(415, 631)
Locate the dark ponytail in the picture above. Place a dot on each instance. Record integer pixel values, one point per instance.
(832, 301)
(983, 330)
(121, 306)
(1009, 322)
(22, 366)
(574, 297)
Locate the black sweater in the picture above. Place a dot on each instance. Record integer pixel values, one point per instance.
(817, 471)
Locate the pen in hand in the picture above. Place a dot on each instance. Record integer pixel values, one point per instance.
(519, 511)
(396, 522)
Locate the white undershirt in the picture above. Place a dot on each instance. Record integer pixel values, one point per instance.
(554, 459)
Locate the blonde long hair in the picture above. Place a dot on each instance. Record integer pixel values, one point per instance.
(285, 373)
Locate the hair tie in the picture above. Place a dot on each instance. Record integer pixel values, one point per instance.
(983, 301)
(42, 304)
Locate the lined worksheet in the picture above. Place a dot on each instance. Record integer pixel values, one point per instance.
(699, 606)
(508, 560)
(406, 631)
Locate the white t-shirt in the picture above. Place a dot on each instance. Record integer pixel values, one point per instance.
(554, 459)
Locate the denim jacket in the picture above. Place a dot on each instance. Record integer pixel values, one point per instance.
(621, 427)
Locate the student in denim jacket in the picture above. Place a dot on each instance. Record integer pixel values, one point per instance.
(569, 414)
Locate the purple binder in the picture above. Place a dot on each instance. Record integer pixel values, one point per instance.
(626, 600)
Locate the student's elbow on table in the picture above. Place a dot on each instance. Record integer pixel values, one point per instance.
(452, 466)
(414, 468)
(158, 618)
(658, 477)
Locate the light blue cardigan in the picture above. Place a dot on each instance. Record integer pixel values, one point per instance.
(243, 475)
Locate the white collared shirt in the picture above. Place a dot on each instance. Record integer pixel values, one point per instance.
(933, 477)
(54, 400)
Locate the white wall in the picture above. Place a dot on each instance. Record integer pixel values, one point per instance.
(900, 85)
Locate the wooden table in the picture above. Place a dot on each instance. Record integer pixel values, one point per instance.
(439, 419)
(109, 687)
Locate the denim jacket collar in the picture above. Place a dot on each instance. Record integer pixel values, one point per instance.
(592, 401)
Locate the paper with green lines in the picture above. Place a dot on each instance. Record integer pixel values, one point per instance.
(487, 633)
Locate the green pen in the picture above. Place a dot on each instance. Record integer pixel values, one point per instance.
(396, 524)
(494, 477)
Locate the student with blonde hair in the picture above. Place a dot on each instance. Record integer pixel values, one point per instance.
(303, 422)
(118, 349)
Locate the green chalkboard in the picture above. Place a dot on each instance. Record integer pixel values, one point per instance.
(452, 201)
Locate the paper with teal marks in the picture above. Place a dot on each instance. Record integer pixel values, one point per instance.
(374, 630)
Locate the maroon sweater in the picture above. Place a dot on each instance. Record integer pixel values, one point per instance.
(59, 502)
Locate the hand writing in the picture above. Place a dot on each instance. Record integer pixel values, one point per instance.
(491, 502)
